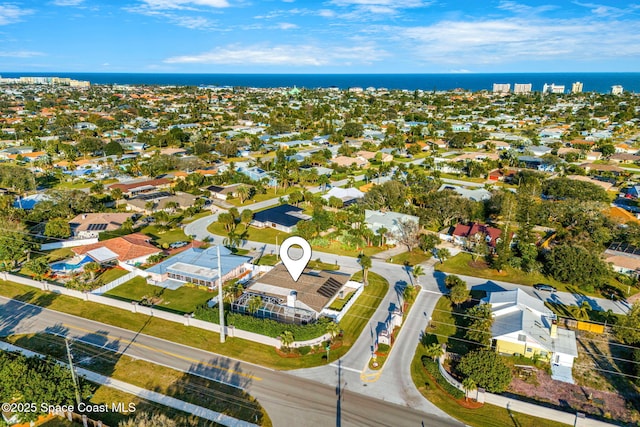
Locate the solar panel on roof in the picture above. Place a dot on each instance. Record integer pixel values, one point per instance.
(97, 227)
(329, 288)
(150, 196)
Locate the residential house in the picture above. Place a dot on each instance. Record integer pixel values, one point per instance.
(469, 234)
(391, 221)
(524, 326)
(258, 174)
(130, 250)
(348, 196)
(130, 189)
(162, 201)
(284, 218)
(90, 225)
(288, 301)
(539, 150)
(371, 155)
(222, 193)
(624, 258)
(345, 161)
(199, 267)
(475, 194)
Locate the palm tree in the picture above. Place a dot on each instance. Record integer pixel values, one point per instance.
(468, 384)
(459, 294)
(243, 193)
(365, 263)
(582, 311)
(333, 329)
(443, 254)
(92, 268)
(287, 339)
(39, 267)
(382, 232)
(254, 304)
(434, 351)
(416, 272)
(409, 293)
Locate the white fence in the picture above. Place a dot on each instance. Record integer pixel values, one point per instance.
(119, 281)
(68, 244)
(186, 320)
(338, 315)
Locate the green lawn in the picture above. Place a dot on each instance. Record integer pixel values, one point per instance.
(269, 259)
(462, 264)
(265, 235)
(352, 324)
(270, 194)
(150, 376)
(414, 257)
(319, 265)
(359, 314)
(162, 237)
(337, 248)
(60, 254)
(111, 275)
(338, 303)
(199, 215)
(184, 299)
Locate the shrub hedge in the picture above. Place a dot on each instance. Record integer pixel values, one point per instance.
(432, 368)
(267, 327)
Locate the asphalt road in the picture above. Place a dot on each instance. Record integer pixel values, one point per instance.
(288, 399)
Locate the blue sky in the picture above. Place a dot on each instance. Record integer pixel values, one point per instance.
(305, 36)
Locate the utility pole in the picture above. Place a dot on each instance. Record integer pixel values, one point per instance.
(278, 252)
(220, 302)
(73, 371)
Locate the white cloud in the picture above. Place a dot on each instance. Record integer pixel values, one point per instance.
(287, 26)
(20, 54)
(601, 10)
(68, 2)
(10, 13)
(374, 9)
(309, 55)
(192, 22)
(183, 4)
(521, 39)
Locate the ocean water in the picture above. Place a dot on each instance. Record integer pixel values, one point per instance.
(593, 82)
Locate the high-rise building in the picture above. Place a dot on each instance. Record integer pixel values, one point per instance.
(553, 88)
(576, 87)
(501, 87)
(616, 90)
(522, 88)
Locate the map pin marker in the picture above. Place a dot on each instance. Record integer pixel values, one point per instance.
(295, 267)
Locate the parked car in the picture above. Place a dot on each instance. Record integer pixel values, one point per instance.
(544, 287)
(176, 245)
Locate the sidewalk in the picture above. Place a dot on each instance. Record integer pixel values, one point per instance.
(542, 412)
(149, 395)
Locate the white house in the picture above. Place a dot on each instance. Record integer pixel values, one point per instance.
(391, 221)
(523, 325)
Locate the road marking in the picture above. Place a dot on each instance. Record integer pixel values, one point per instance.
(346, 368)
(168, 353)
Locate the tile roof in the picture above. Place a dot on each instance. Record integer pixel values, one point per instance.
(112, 221)
(130, 186)
(474, 228)
(314, 288)
(127, 247)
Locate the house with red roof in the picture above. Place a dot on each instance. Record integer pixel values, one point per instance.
(469, 234)
(132, 249)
